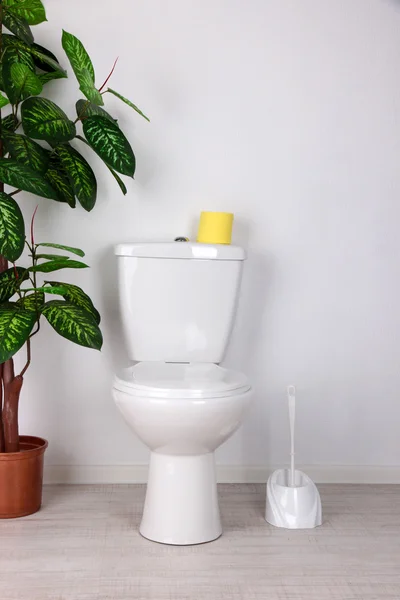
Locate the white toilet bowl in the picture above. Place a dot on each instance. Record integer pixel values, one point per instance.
(178, 304)
(182, 412)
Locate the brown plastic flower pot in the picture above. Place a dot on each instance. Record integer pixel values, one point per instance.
(21, 478)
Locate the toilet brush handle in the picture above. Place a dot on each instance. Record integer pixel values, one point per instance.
(291, 390)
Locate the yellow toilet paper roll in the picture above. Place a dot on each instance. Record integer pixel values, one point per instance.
(215, 228)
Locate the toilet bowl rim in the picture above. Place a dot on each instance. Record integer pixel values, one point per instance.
(175, 394)
(154, 384)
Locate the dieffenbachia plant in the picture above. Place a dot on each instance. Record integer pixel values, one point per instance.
(40, 154)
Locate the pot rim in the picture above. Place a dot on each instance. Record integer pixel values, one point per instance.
(40, 445)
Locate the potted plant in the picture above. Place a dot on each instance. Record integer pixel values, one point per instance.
(37, 156)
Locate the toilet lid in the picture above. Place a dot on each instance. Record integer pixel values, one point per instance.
(177, 380)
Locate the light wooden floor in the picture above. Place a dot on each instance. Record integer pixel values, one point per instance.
(84, 545)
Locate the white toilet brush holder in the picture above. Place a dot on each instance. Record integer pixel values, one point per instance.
(293, 500)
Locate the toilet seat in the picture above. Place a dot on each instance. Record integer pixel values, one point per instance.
(181, 380)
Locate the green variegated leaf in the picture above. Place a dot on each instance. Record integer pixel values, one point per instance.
(18, 26)
(88, 88)
(77, 56)
(75, 295)
(76, 251)
(56, 265)
(73, 323)
(37, 52)
(129, 103)
(46, 289)
(12, 228)
(25, 82)
(113, 173)
(32, 301)
(33, 55)
(26, 151)
(3, 101)
(47, 77)
(16, 50)
(50, 62)
(22, 177)
(9, 123)
(46, 61)
(58, 179)
(10, 281)
(32, 11)
(80, 174)
(15, 326)
(57, 290)
(42, 119)
(85, 109)
(118, 180)
(15, 53)
(52, 257)
(108, 141)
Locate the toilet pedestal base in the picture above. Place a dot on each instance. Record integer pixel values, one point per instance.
(181, 506)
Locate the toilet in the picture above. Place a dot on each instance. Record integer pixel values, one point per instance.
(178, 302)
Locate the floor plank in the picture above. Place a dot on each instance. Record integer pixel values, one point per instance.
(84, 545)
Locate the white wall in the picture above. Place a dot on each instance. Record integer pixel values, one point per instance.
(287, 113)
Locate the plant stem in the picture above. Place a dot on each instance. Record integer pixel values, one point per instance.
(12, 390)
(37, 330)
(14, 193)
(28, 357)
(10, 386)
(108, 77)
(2, 446)
(10, 414)
(32, 229)
(3, 262)
(3, 267)
(34, 262)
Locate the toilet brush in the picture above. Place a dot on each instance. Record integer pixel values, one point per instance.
(293, 500)
(292, 415)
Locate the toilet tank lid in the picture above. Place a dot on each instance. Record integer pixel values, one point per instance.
(182, 250)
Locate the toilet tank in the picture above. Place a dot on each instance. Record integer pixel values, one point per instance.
(178, 299)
